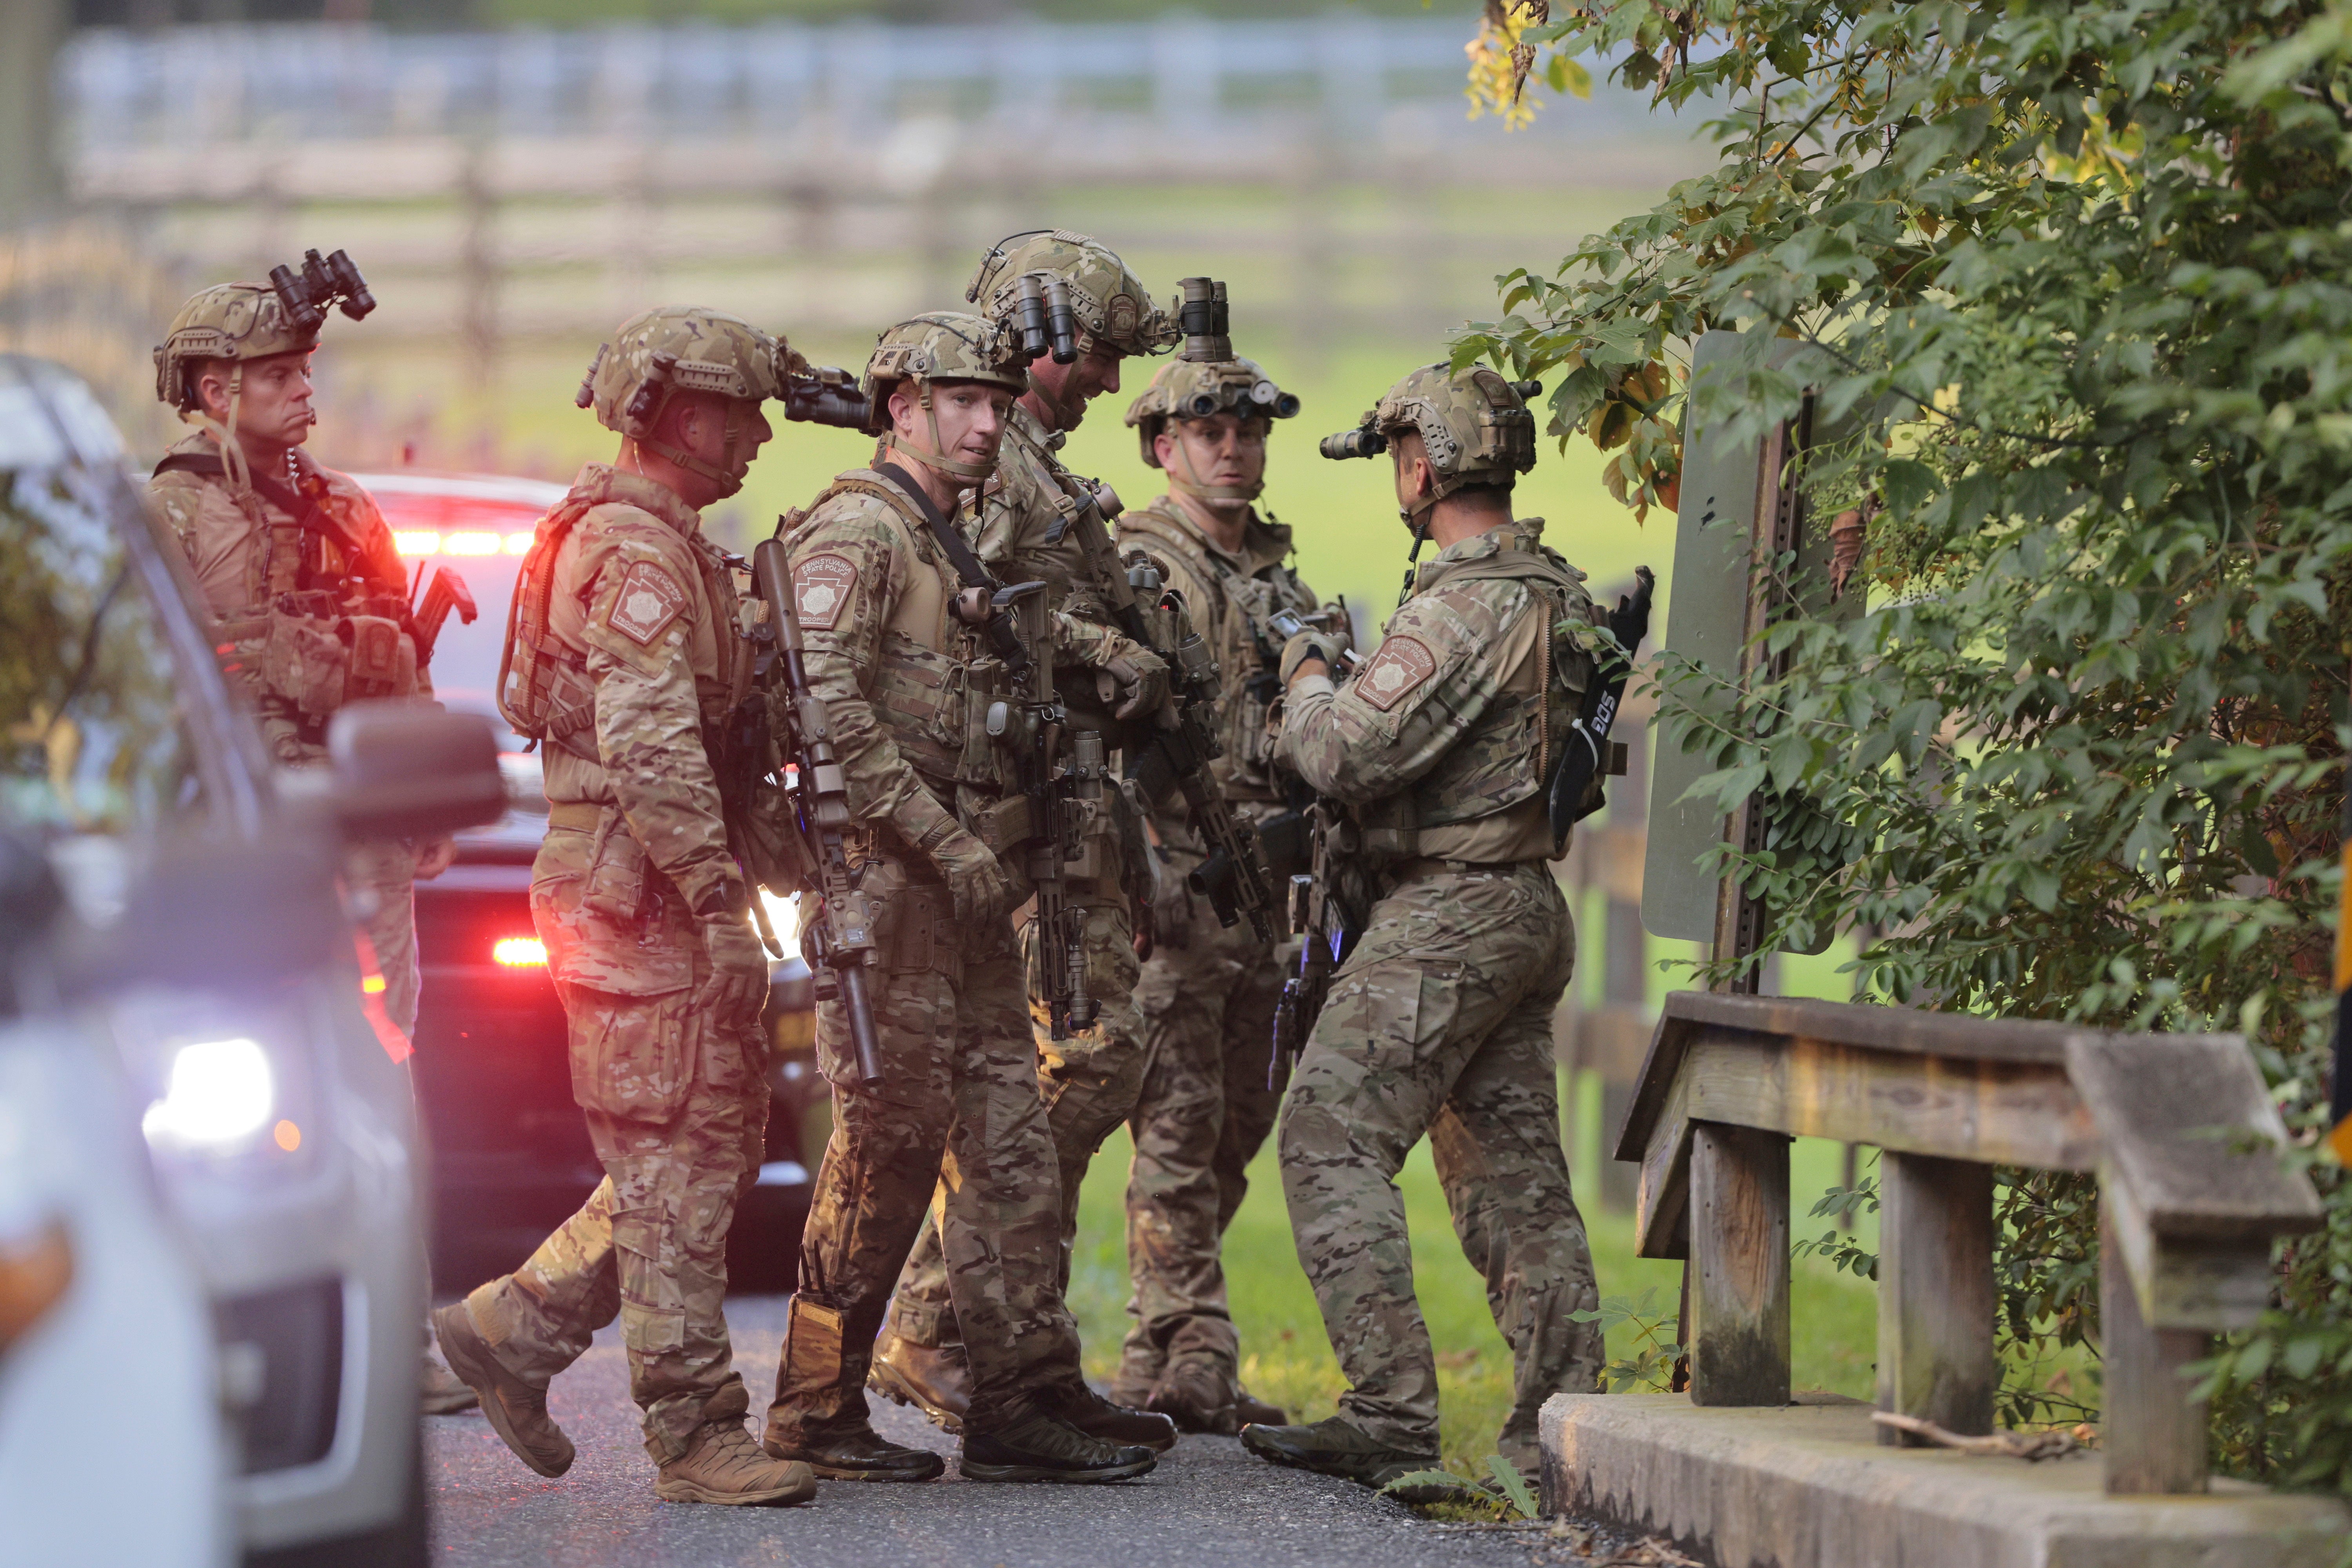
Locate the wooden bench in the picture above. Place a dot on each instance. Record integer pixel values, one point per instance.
(2179, 1129)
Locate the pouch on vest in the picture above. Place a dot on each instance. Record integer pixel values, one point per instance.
(305, 664)
(383, 660)
(544, 691)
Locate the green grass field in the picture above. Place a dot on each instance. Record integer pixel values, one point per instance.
(1286, 1358)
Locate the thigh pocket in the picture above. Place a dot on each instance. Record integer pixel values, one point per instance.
(1393, 1010)
(587, 946)
(632, 1056)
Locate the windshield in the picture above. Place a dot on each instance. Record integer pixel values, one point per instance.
(91, 716)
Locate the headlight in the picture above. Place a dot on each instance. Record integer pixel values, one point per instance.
(217, 1096)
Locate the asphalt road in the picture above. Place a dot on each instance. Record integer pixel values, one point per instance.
(1208, 1505)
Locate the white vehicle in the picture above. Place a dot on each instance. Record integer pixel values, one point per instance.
(193, 1035)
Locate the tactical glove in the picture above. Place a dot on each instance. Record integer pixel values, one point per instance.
(737, 991)
(1143, 682)
(1310, 645)
(982, 889)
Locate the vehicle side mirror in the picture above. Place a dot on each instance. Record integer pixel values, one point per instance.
(408, 769)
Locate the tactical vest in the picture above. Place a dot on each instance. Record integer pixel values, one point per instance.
(322, 626)
(1247, 650)
(934, 679)
(1483, 802)
(544, 689)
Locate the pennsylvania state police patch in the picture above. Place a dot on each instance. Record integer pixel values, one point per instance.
(820, 589)
(648, 600)
(1401, 664)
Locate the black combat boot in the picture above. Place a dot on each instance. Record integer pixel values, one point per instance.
(1047, 1448)
(1334, 1447)
(1114, 1423)
(855, 1453)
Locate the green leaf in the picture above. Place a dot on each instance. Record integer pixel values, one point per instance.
(1515, 1486)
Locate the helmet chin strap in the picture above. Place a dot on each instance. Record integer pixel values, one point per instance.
(234, 467)
(1189, 483)
(936, 456)
(722, 473)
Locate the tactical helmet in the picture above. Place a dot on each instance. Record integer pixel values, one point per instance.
(684, 348)
(1190, 389)
(1109, 302)
(941, 346)
(1473, 425)
(233, 321)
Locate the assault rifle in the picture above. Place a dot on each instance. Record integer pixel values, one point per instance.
(1017, 623)
(1175, 748)
(837, 929)
(1328, 907)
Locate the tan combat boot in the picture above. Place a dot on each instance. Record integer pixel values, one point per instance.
(439, 1390)
(935, 1380)
(517, 1411)
(723, 1464)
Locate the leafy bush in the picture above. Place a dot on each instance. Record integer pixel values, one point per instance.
(2067, 283)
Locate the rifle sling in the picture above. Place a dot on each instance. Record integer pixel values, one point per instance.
(960, 554)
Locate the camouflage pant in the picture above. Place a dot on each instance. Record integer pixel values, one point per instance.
(676, 1107)
(956, 1134)
(1089, 1084)
(1441, 1021)
(1207, 1012)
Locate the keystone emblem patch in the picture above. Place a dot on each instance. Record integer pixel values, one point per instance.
(648, 601)
(1401, 664)
(821, 588)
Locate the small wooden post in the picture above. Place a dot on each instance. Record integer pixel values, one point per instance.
(1739, 1271)
(1935, 1294)
(2153, 1433)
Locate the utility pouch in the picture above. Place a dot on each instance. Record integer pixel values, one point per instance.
(922, 932)
(1003, 824)
(304, 663)
(1387, 831)
(615, 886)
(382, 659)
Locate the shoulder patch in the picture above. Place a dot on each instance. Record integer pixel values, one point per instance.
(1402, 664)
(648, 601)
(820, 589)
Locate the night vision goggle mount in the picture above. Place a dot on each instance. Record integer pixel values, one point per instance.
(1367, 440)
(827, 395)
(322, 282)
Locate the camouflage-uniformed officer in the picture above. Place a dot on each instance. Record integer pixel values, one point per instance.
(1440, 1021)
(622, 655)
(1207, 997)
(291, 557)
(910, 678)
(1036, 526)
(297, 567)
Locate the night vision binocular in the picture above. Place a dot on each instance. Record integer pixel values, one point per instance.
(830, 396)
(322, 283)
(1045, 317)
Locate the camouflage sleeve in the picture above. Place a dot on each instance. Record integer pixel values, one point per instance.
(1413, 700)
(847, 575)
(633, 575)
(1089, 644)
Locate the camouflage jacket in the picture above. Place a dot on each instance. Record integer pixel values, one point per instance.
(906, 687)
(651, 606)
(1028, 533)
(1445, 736)
(1227, 599)
(249, 554)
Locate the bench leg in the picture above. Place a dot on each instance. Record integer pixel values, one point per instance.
(1935, 1294)
(2153, 1433)
(1739, 1266)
